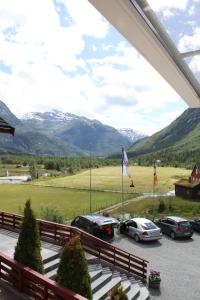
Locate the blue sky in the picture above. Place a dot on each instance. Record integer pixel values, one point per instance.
(62, 54)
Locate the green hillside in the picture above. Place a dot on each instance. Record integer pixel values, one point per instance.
(178, 143)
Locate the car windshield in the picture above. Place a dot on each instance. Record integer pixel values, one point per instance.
(184, 224)
(149, 225)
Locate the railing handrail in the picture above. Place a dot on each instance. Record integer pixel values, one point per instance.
(91, 244)
(8, 267)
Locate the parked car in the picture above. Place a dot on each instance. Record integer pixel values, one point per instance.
(175, 227)
(140, 229)
(195, 224)
(97, 225)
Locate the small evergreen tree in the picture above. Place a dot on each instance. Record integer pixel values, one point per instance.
(27, 250)
(33, 170)
(73, 269)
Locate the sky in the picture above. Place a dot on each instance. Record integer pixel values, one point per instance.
(62, 54)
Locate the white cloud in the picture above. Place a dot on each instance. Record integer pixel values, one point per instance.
(87, 19)
(195, 64)
(168, 4)
(192, 10)
(190, 42)
(116, 89)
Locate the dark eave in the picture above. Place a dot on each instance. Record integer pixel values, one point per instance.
(5, 127)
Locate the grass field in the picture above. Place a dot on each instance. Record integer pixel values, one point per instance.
(69, 202)
(109, 178)
(173, 206)
(70, 195)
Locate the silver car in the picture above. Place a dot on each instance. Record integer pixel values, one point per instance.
(140, 229)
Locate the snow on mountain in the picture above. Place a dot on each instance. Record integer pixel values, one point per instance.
(54, 115)
(131, 134)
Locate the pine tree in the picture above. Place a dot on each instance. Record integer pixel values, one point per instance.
(33, 169)
(27, 250)
(73, 269)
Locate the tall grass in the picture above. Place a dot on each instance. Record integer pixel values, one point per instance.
(150, 208)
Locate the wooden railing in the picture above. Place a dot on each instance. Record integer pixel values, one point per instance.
(32, 283)
(95, 246)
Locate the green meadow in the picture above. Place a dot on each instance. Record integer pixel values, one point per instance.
(71, 195)
(110, 179)
(68, 202)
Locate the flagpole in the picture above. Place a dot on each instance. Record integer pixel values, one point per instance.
(90, 185)
(122, 196)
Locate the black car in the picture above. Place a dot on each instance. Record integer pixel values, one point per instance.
(195, 224)
(97, 225)
(175, 227)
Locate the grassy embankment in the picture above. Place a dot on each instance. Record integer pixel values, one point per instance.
(172, 206)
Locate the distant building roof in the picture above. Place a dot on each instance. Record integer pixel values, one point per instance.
(185, 182)
(5, 127)
(196, 169)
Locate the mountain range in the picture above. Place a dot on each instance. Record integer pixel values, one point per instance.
(56, 133)
(180, 141)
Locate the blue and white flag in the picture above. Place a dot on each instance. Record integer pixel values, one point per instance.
(124, 163)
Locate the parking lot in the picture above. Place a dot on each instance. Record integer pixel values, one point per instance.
(177, 260)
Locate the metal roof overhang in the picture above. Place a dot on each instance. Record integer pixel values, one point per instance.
(5, 127)
(139, 25)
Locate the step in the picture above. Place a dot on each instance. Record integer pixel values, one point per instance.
(51, 265)
(95, 274)
(103, 292)
(50, 258)
(94, 267)
(144, 293)
(101, 281)
(126, 285)
(51, 274)
(134, 291)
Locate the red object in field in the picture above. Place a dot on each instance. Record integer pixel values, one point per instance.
(196, 172)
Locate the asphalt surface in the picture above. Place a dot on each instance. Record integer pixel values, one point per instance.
(177, 260)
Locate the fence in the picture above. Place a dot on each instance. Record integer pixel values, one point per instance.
(32, 283)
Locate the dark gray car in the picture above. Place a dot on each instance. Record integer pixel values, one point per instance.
(175, 227)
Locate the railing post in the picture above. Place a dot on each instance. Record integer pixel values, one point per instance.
(0, 267)
(55, 232)
(129, 263)
(45, 292)
(13, 221)
(40, 229)
(20, 286)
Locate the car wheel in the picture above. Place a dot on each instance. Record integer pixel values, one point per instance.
(136, 237)
(172, 235)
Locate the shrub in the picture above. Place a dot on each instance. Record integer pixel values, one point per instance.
(27, 250)
(51, 213)
(73, 269)
(161, 206)
(117, 293)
